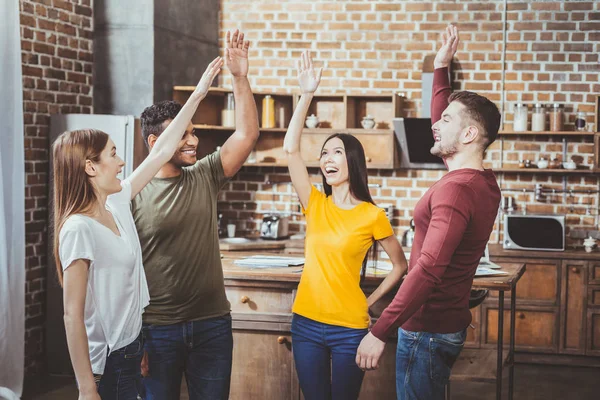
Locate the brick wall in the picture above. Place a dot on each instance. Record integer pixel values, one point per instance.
(551, 55)
(56, 44)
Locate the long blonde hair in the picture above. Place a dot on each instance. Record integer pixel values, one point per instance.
(73, 190)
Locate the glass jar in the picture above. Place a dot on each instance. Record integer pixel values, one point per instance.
(556, 118)
(268, 112)
(228, 112)
(538, 118)
(520, 118)
(580, 121)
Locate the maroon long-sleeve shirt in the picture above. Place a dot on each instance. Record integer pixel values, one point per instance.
(453, 223)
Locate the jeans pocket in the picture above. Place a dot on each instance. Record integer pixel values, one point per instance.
(408, 334)
(443, 353)
(134, 349)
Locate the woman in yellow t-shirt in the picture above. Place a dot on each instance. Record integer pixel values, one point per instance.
(331, 311)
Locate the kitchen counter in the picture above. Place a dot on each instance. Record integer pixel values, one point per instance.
(496, 250)
(292, 274)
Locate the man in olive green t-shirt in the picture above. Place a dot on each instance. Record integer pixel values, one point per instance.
(187, 326)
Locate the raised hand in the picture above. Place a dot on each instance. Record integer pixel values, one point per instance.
(236, 53)
(208, 77)
(308, 77)
(444, 56)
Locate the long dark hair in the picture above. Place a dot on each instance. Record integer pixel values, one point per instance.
(358, 179)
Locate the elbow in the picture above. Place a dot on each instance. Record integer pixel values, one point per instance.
(72, 319)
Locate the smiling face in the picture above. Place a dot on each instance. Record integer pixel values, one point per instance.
(185, 155)
(333, 162)
(104, 172)
(447, 131)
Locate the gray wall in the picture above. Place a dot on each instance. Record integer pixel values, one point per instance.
(142, 48)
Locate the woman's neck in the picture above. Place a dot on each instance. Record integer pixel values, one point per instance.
(98, 208)
(341, 195)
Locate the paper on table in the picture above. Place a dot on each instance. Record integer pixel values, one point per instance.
(269, 261)
(485, 271)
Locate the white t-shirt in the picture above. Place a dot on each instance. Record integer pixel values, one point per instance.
(117, 291)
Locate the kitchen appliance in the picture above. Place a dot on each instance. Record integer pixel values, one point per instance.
(416, 140)
(274, 227)
(409, 235)
(534, 232)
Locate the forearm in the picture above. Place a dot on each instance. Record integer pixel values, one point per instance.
(413, 293)
(390, 281)
(77, 342)
(168, 141)
(441, 92)
(246, 116)
(291, 142)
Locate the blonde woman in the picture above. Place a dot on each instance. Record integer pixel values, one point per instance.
(97, 251)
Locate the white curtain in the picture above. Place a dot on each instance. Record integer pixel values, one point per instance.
(12, 206)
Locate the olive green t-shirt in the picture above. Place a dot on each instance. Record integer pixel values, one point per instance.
(176, 220)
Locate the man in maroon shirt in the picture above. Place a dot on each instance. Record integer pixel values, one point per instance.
(453, 222)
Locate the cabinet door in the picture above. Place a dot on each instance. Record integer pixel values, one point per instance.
(380, 149)
(262, 366)
(593, 332)
(539, 283)
(572, 315)
(381, 383)
(594, 273)
(536, 330)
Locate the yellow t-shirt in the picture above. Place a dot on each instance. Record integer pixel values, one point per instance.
(337, 241)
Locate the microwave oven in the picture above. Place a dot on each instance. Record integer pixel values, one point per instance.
(534, 232)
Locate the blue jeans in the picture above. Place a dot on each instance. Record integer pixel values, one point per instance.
(122, 377)
(424, 361)
(325, 357)
(203, 350)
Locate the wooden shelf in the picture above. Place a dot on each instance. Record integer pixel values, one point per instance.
(264, 164)
(232, 128)
(548, 133)
(477, 365)
(546, 171)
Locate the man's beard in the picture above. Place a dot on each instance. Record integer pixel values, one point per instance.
(444, 151)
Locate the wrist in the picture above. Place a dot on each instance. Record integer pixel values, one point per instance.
(440, 65)
(308, 94)
(88, 388)
(240, 77)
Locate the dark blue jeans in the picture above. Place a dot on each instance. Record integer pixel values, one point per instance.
(122, 377)
(200, 349)
(424, 361)
(325, 357)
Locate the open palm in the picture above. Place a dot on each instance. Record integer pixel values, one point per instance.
(209, 76)
(444, 56)
(308, 77)
(236, 53)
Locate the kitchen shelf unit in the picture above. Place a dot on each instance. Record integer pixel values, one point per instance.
(337, 113)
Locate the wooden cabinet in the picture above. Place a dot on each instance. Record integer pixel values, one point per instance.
(263, 367)
(558, 309)
(573, 318)
(380, 149)
(337, 113)
(536, 330)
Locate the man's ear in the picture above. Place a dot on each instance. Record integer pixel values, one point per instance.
(471, 134)
(90, 168)
(151, 141)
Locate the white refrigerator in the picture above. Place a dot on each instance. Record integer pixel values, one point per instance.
(122, 131)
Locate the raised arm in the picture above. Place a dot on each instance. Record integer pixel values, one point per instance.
(441, 82)
(308, 79)
(237, 148)
(74, 291)
(168, 141)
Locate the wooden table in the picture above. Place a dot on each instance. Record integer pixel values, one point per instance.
(479, 365)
